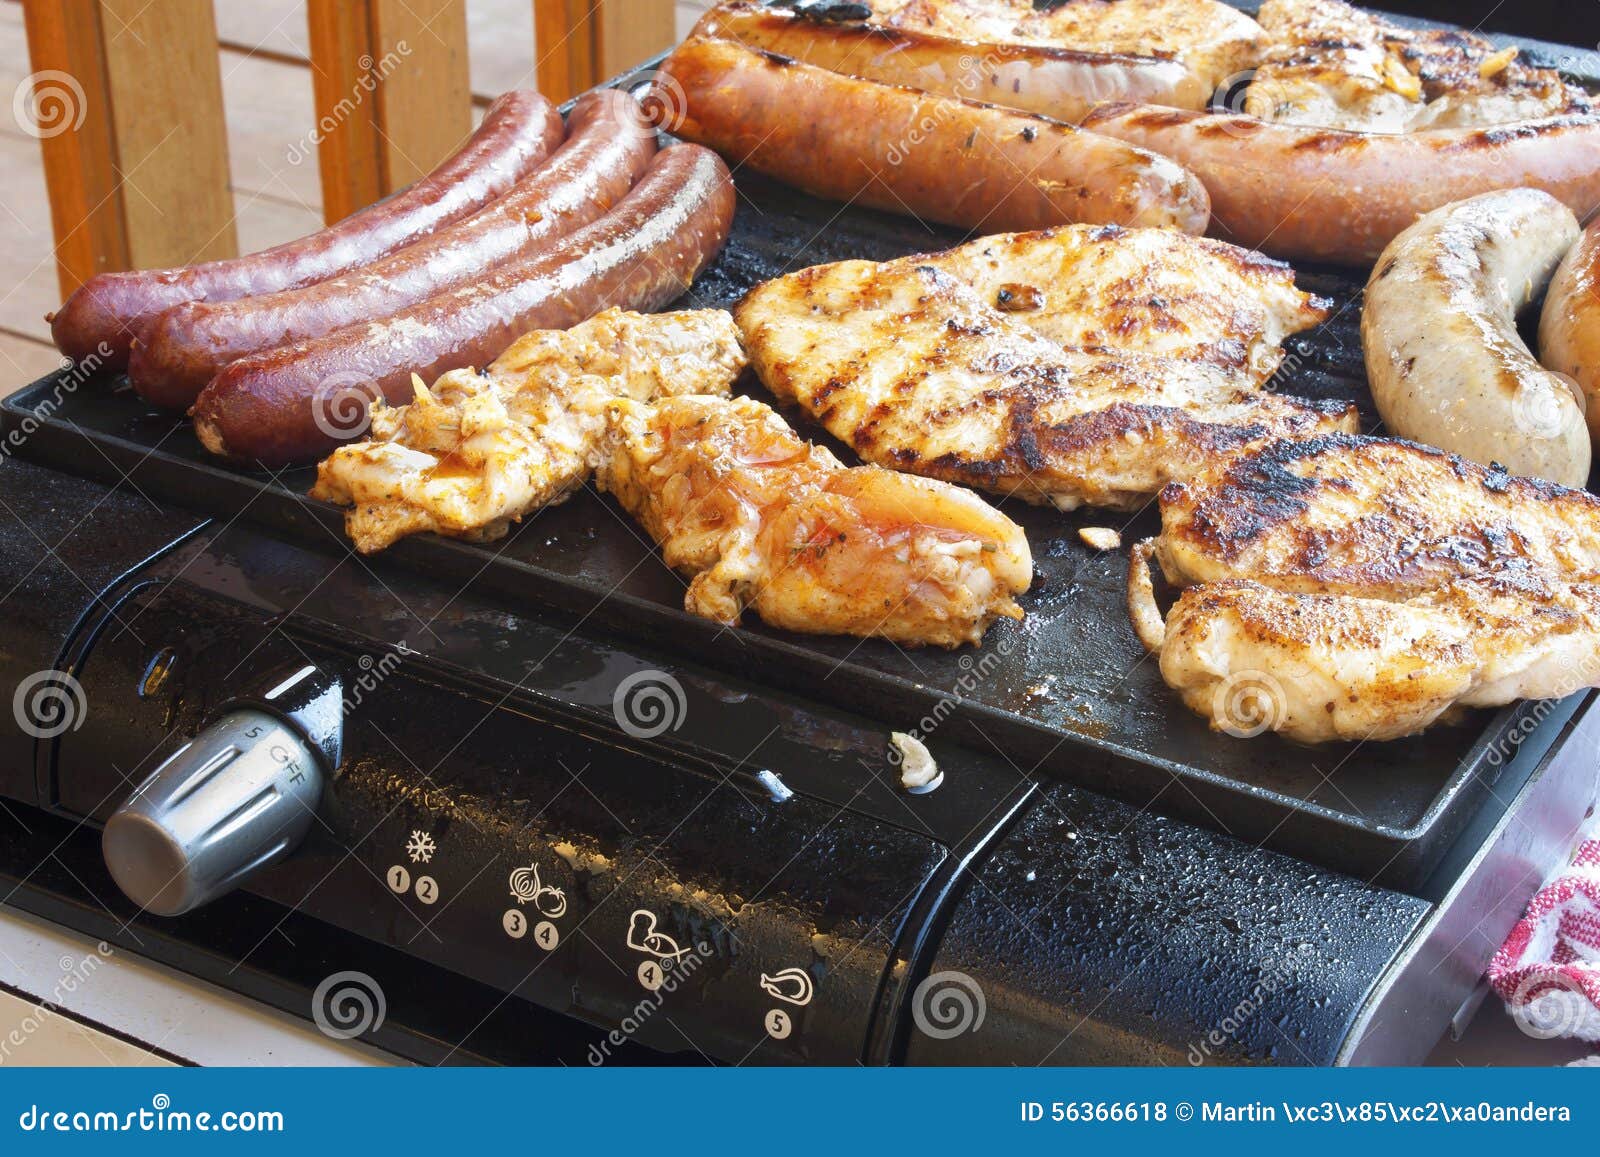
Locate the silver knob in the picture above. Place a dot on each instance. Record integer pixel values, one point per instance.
(233, 799)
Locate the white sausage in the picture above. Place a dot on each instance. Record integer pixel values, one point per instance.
(1439, 329)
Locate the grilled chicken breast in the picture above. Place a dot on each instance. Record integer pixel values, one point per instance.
(474, 453)
(765, 520)
(1359, 588)
(1081, 365)
(1325, 63)
(1213, 40)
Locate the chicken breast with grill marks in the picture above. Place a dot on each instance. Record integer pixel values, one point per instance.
(764, 520)
(1213, 40)
(476, 452)
(1359, 588)
(1325, 63)
(1079, 365)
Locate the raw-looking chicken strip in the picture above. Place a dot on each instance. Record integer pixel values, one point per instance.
(765, 520)
(476, 452)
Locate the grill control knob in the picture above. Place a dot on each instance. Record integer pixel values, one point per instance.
(235, 798)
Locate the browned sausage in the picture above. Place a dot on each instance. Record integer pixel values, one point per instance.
(299, 401)
(608, 146)
(907, 151)
(518, 132)
(1334, 195)
(1061, 83)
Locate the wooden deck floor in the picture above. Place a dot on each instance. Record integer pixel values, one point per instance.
(267, 89)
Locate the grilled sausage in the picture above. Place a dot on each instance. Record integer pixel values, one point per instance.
(907, 151)
(608, 146)
(1056, 82)
(1334, 195)
(1439, 327)
(299, 401)
(518, 132)
(1569, 327)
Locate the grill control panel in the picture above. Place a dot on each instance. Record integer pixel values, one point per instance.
(696, 908)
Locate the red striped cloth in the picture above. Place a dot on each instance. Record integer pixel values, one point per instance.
(1548, 970)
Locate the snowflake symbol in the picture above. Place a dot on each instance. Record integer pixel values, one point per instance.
(420, 848)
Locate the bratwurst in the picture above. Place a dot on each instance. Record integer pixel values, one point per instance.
(608, 146)
(1319, 194)
(299, 401)
(518, 132)
(908, 151)
(1439, 327)
(1569, 327)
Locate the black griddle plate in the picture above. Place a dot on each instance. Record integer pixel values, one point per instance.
(1068, 692)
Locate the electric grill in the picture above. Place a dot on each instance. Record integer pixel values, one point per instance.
(553, 817)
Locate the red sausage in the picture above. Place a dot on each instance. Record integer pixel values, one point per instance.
(300, 401)
(908, 151)
(608, 146)
(518, 132)
(1312, 194)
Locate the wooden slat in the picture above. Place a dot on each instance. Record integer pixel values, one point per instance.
(565, 40)
(393, 94)
(579, 43)
(632, 31)
(425, 89)
(171, 139)
(346, 131)
(72, 118)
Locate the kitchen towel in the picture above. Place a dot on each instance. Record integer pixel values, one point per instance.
(1548, 970)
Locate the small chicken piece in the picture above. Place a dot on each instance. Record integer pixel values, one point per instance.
(1359, 588)
(1331, 65)
(764, 520)
(1214, 40)
(1079, 365)
(476, 452)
